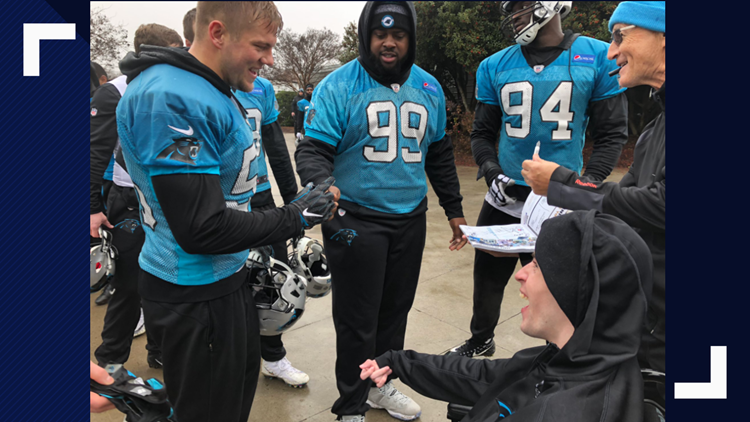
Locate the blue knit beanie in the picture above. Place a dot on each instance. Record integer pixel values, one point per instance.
(643, 14)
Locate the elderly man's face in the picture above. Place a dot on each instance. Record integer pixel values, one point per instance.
(641, 55)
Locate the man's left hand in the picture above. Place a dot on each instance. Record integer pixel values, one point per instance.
(458, 240)
(537, 174)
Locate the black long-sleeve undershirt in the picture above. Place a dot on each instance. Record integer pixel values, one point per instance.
(278, 157)
(195, 209)
(103, 140)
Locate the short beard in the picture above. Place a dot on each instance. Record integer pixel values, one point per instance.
(382, 71)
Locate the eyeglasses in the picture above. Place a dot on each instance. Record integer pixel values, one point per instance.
(617, 34)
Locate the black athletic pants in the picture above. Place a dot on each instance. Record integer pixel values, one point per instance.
(491, 275)
(211, 354)
(271, 347)
(124, 308)
(374, 270)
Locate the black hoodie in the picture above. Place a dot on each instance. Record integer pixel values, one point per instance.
(594, 377)
(364, 33)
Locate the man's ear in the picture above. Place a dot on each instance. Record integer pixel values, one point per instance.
(217, 33)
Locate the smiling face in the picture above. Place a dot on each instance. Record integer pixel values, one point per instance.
(542, 317)
(389, 48)
(243, 55)
(641, 56)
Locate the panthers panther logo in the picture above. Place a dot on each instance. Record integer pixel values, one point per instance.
(345, 236)
(310, 116)
(184, 150)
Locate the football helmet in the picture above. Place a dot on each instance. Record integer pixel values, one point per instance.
(103, 258)
(541, 13)
(279, 293)
(308, 260)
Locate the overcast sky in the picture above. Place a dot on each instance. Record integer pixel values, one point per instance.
(298, 15)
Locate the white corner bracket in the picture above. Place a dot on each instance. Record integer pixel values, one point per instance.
(716, 389)
(33, 33)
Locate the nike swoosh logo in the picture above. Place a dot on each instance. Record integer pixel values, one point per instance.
(309, 214)
(186, 132)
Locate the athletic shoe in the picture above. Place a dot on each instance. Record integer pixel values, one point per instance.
(283, 369)
(353, 418)
(106, 295)
(140, 329)
(398, 405)
(471, 349)
(154, 361)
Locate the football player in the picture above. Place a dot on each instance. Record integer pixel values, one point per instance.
(378, 125)
(546, 89)
(262, 113)
(123, 316)
(194, 162)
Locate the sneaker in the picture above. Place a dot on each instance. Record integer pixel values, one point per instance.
(154, 361)
(353, 418)
(471, 349)
(140, 329)
(283, 369)
(106, 295)
(398, 405)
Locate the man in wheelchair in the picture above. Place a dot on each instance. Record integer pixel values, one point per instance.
(585, 289)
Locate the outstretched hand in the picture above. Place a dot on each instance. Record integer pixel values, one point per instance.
(378, 375)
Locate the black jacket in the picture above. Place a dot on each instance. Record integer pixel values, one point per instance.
(640, 200)
(103, 140)
(595, 377)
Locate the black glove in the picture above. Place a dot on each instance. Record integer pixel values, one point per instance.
(140, 401)
(314, 205)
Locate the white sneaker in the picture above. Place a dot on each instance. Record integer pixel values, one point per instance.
(395, 402)
(353, 418)
(283, 369)
(140, 329)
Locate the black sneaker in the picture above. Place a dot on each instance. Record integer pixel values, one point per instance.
(471, 349)
(154, 361)
(106, 295)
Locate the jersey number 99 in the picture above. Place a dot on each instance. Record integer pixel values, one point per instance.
(390, 131)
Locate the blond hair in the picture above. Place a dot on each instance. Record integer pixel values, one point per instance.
(237, 16)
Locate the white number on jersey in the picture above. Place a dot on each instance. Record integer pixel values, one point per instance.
(244, 182)
(390, 131)
(147, 214)
(561, 99)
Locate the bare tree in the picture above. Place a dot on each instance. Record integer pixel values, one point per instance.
(301, 59)
(108, 41)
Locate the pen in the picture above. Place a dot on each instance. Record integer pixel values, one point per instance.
(536, 148)
(615, 72)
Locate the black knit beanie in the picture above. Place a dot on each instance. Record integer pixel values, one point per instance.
(390, 15)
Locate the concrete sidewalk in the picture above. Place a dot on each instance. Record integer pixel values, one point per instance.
(438, 321)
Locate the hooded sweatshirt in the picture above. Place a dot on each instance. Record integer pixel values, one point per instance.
(594, 377)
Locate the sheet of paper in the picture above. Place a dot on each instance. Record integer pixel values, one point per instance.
(510, 238)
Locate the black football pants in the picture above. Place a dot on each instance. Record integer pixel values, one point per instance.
(211, 353)
(491, 275)
(124, 308)
(374, 277)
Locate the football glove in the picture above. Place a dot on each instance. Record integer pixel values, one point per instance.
(314, 204)
(498, 187)
(140, 401)
(299, 136)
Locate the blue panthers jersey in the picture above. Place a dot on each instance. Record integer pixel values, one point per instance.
(172, 121)
(262, 109)
(303, 105)
(381, 135)
(547, 104)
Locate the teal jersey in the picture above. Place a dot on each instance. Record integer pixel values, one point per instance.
(547, 104)
(262, 109)
(171, 121)
(381, 135)
(303, 105)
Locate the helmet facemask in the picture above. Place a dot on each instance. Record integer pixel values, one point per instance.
(541, 13)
